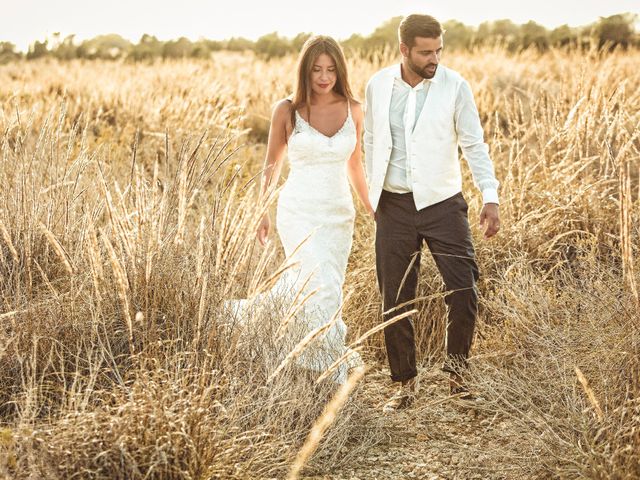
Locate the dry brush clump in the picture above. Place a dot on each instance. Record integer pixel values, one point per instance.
(118, 358)
(559, 373)
(119, 246)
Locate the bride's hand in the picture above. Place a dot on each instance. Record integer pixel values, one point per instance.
(371, 212)
(263, 229)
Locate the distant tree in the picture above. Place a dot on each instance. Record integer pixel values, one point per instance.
(8, 53)
(385, 36)
(203, 48)
(239, 44)
(65, 49)
(180, 48)
(507, 33)
(272, 45)
(457, 35)
(483, 34)
(355, 43)
(38, 49)
(108, 47)
(298, 41)
(533, 34)
(563, 36)
(502, 32)
(615, 30)
(212, 45)
(148, 48)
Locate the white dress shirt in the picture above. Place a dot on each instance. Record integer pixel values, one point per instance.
(406, 105)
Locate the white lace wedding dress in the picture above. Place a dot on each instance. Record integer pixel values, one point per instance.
(314, 219)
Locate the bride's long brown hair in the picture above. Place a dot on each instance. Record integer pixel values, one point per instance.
(311, 50)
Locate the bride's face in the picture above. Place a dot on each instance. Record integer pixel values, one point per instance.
(323, 74)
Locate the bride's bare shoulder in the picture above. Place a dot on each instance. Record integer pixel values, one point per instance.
(281, 110)
(356, 109)
(355, 103)
(283, 105)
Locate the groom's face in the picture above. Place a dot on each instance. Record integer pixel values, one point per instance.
(423, 58)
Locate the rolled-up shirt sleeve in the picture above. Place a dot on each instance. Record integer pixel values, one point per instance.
(474, 148)
(368, 132)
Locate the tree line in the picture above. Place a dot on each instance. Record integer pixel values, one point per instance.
(616, 31)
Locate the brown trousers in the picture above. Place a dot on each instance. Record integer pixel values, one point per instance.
(400, 231)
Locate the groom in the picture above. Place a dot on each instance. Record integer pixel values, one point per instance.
(417, 114)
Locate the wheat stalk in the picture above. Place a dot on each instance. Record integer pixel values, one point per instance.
(626, 203)
(95, 261)
(121, 281)
(201, 308)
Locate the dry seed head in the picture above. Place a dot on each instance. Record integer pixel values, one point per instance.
(7, 240)
(58, 249)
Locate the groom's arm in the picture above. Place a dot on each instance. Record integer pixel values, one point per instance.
(476, 151)
(474, 148)
(368, 131)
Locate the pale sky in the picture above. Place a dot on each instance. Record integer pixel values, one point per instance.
(23, 21)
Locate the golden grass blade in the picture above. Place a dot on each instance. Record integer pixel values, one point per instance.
(200, 254)
(383, 325)
(414, 257)
(590, 393)
(329, 414)
(268, 283)
(626, 243)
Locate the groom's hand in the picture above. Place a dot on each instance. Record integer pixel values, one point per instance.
(490, 219)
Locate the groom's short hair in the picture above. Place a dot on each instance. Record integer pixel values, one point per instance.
(416, 25)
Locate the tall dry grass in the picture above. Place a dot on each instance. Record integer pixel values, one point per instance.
(126, 212)
(118, 359)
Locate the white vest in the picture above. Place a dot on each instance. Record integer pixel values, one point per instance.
(435, 168)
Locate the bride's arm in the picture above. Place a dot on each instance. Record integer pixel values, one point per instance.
(354, 164)
(273, 161)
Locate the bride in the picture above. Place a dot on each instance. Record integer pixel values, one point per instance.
(320, 127)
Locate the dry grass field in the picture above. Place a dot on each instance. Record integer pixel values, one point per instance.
(127, 211)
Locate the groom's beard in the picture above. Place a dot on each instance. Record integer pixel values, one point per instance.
(427, 72)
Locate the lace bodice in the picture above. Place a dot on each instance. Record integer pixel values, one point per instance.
(317, 162)
(309, 146)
